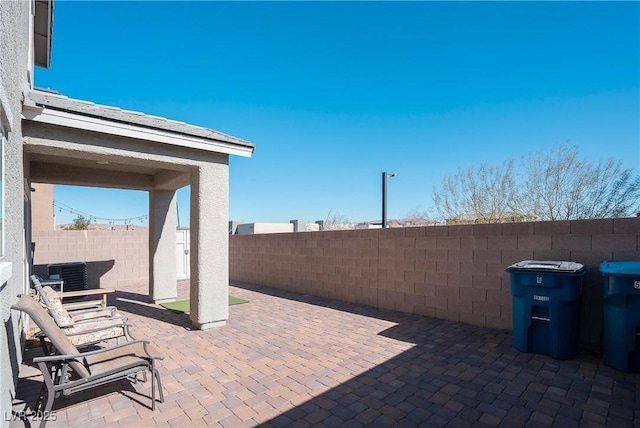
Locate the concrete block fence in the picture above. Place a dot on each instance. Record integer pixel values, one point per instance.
(449, 272)
(114, 257)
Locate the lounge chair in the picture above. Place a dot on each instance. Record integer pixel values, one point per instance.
(85, 327)
(72, 371)
(85, 332)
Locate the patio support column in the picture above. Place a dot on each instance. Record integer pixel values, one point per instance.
(162, 246)
(209, 219)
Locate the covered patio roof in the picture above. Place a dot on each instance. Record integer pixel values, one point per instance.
(74, 142)
(128, 165)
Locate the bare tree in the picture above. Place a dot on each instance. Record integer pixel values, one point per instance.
(557, 186)
(336, 221)
(415, 217)
(552, 184)
(486, 194)
(616, 197)
(562, 186)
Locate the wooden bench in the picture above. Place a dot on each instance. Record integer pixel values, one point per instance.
(84, 304)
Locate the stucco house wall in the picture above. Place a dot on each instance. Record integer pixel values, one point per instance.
(15, 76)
(42, 216)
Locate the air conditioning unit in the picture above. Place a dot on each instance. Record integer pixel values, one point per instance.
(74, 275)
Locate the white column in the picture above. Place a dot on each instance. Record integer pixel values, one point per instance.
(162, 246)
(209, 219)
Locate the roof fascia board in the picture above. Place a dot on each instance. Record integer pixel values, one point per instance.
(87, 123)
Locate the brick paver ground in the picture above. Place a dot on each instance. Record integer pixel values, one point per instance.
(294, 360)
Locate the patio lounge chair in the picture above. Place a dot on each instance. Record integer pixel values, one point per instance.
(82, 332)
(72, 371)
(86, 327)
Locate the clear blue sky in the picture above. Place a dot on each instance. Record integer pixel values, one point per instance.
(334, 93)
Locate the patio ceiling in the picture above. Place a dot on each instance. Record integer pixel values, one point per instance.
(46, 168)
(94, 172)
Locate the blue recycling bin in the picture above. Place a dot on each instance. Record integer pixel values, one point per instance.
(621, 314)
(546, 306)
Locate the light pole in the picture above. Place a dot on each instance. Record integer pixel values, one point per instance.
(385, 175)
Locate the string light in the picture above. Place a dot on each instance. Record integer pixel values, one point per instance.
(93, 218)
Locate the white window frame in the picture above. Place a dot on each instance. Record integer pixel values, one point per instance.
(3, 142)
(5, 128)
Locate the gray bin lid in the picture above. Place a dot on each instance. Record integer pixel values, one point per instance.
(547, 266)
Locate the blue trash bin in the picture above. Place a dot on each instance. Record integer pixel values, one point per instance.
(546, 306)
(621, 314)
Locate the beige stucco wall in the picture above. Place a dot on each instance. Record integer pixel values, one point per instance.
(209, 258)
(42, 207)
(450, 272)
(14, 75)
(114, 257)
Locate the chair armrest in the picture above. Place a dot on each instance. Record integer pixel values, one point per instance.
(41, 334)
(112, 309)
(84, 316)
(96, 329)
(84, 304)
(133, 343)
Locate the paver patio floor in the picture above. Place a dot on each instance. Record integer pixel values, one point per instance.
(286, 359)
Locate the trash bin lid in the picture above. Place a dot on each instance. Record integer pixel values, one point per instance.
(547, 266)
(612, 268)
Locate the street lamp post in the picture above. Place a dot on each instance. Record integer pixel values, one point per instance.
(385, 175)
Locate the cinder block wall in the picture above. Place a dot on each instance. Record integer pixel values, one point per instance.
(114, 257)
(450, 272)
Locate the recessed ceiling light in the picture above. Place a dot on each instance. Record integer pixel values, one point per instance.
(102, 162)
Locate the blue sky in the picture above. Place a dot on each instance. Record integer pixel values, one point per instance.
(334, 93)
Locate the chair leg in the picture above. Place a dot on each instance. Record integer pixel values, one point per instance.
(43, 345)
(153, 390)
(36, 407)
(51, 394)
(54, 373)
(47, 409)
(62, 375)
(159, 383)
(155, 379)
